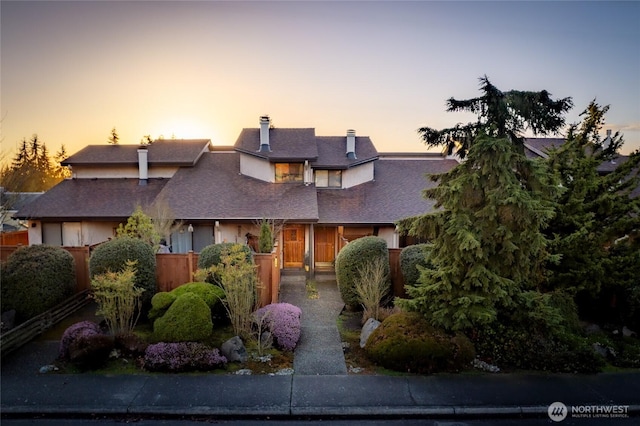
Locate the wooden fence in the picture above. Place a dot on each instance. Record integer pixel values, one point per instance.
(14, 238)
(173, 270)
(25, 332)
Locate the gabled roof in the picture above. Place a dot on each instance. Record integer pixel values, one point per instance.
(75, 199)
(396, 193)
(175, 152)
(332, 152)
(286, 144)
(214, 189)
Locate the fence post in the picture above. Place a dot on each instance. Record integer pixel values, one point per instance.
(191, 265)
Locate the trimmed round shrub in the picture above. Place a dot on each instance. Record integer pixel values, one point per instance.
(283, 322)
(353, 257)
(184, 356)
(160, 302)
(113, 256)
(410, 258)
(188, 319)
(210, 293)
(37, 278)
(407, 342)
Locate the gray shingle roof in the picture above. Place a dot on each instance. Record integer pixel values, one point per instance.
(396, 193)
(214, 189)
(178, 152)
(539, 147)
(92, 199)
(332, 152)
(286, 144)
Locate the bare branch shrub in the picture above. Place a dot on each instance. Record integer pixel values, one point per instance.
(371, 286)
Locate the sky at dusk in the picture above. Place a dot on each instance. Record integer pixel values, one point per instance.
(71, 71)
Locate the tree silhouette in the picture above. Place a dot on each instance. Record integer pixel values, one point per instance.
(500, 115)
(114, 138)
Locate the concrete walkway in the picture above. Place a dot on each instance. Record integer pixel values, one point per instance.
(319, 351)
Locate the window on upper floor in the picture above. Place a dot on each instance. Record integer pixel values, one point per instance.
(329, 178)
(289, 172)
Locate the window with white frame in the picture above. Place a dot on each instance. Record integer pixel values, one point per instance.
(328, 178)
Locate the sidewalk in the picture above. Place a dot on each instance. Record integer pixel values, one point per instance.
(446, 396)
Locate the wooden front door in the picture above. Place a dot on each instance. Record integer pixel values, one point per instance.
(324, 246)
(293, 239)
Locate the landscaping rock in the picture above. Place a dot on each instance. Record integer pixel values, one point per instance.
(234, 350)
(367, 329)
(593, 329)
(626, 332)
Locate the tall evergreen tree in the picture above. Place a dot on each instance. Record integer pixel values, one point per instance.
(500, 115)
(597, 220)
(114, 138)
(488, 247)
(31, 169)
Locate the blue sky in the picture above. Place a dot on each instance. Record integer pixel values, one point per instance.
(73, 70)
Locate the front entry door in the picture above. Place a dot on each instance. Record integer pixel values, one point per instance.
(324, 246)
(293, 246)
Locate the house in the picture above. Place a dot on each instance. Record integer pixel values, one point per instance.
(321, 191)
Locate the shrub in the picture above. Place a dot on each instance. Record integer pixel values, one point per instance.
(160, 302)
(352, 258)
(266, 237)
(91, 351)
(406, 342)
(372, 285)
(211, 294)
(211, 257)
(541, 333)
(410, 258)
(37, 278)
(521, 347)
(185, 356)
(283, 321)
(140, 226)
(238, 280)
(187, 319)
(118, 299)
(75, 331)
(112, 256)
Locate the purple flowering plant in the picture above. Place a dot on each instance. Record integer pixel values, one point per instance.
(75, 332)
(283, 321)
(182, 356)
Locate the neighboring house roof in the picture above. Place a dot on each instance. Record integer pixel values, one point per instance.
(286, 144)
(395, 193)
(13, 201)
(75, 199)
(214, 189)
(176, 152)
(539, 147)
(332, 152)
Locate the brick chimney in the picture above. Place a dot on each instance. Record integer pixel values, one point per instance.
(143, 166)
(265, 122)
(351, 144)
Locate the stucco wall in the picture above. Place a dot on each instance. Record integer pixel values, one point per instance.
(257, 168)
(357, 175)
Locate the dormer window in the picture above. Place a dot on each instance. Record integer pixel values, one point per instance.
(289, 172)
(329, 178)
